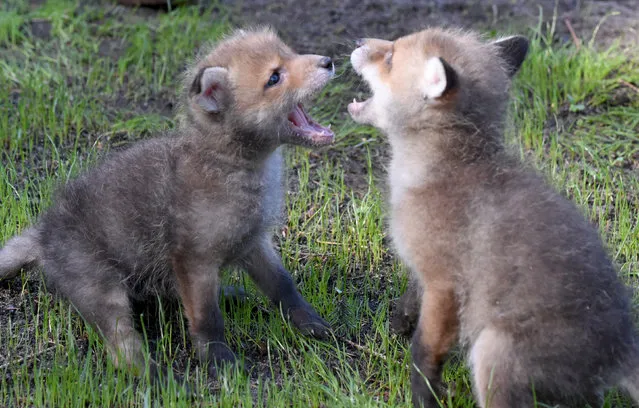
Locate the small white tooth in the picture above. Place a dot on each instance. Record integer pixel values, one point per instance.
(329, 125)
(354, 100)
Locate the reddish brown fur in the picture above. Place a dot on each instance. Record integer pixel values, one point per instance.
(504, 263)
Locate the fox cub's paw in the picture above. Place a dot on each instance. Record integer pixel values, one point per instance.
(220, 355)
(306, 319)
(404, 316)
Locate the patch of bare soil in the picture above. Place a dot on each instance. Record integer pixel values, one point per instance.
(329, 25)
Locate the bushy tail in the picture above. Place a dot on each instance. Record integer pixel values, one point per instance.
(20, 251)
(630, 383)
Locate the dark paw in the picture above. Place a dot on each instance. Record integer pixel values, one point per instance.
(426, 384)
(309, 322)
(427, 401)
(403, 324)
(220, 355)
(423, 395)
(405, 315)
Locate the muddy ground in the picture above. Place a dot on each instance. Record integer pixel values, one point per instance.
(329, 26)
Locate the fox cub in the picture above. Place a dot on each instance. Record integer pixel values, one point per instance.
(505, 265)
(166, 215)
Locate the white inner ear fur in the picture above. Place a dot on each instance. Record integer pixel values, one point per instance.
(212, 82)
(434, 79)
(497, 41)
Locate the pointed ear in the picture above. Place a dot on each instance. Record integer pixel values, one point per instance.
(513, 50)
(210, 89)
(439, 77)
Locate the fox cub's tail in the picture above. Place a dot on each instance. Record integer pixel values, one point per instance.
(20, 251)
(631, 381)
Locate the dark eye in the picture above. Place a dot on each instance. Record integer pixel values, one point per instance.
(274, 79)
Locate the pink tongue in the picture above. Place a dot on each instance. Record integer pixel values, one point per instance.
(298, 117)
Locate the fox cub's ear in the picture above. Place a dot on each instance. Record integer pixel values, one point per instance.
(513, 50)
(439, 78)
(210, 89)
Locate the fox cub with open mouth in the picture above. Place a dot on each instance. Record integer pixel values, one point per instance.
(166, 215)
(507, 266)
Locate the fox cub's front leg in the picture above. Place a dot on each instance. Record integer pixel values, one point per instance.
(406, 312)
(198, 287)
(265, 268)
(436, 332)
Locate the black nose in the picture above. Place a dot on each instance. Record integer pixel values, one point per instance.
(326, 63)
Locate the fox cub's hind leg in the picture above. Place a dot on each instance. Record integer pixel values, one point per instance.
(103, 301)
(266, 269)
(497, 384)
(501, 380)
(436, 332)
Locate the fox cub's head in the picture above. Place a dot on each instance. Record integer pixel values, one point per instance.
(255, 85)
(435, 77)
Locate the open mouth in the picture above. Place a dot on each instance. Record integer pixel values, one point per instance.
(306, 127)
(355, 108)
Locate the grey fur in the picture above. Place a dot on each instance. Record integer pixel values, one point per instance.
(165, 215)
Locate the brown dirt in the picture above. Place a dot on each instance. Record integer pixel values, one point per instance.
(327, 26)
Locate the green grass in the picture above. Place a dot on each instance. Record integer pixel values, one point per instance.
(102, 79)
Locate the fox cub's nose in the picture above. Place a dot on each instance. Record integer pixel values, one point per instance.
(327, 63)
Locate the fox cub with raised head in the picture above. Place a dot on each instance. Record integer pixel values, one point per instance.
(506, 265)
(166, 215)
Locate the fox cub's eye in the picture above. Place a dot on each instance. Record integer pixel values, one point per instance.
(388, 58)
(274, 79)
